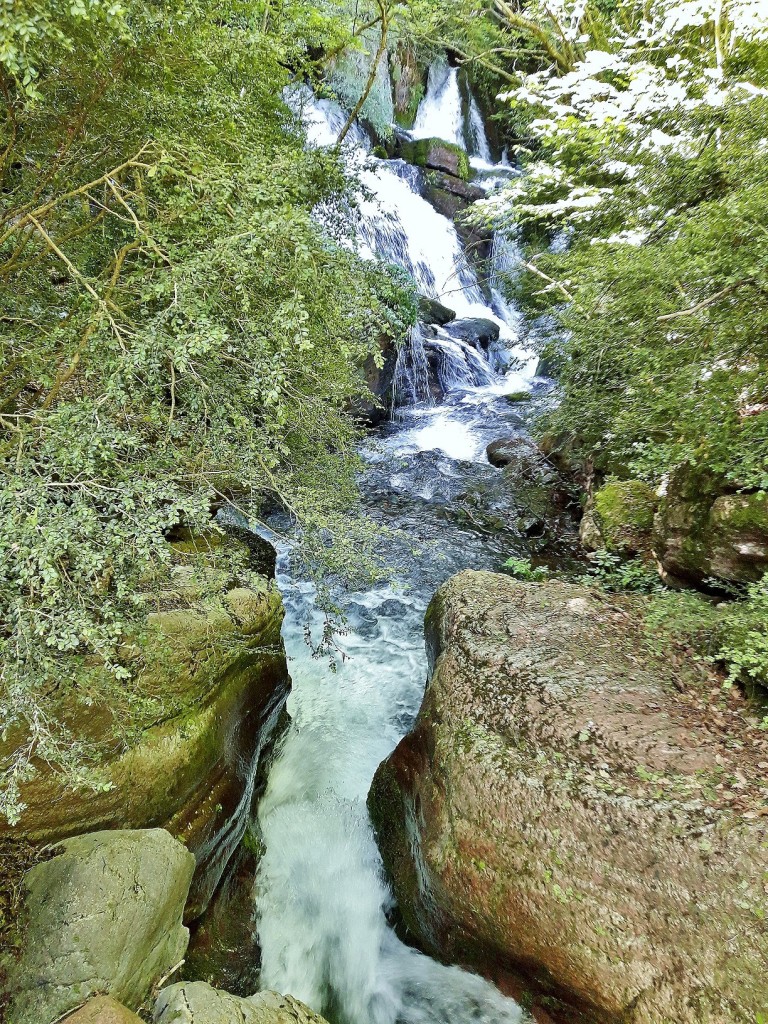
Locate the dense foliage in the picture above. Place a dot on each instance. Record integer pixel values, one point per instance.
(177, 329)
(649, 158)
(643, 216)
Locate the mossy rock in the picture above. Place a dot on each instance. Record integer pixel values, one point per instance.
(552, 810)
(104, 916)
(624, 511)
(408, 81)
(703, 534)
(210, 682)
(439, 155)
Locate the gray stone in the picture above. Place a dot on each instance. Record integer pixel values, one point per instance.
(433, 312)
(103, 1010)
(554, 812)
(198, 1003)
(475, 331)
(104, 916)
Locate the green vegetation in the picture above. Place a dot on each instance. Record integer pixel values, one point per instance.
(178, 330)
(643, 218)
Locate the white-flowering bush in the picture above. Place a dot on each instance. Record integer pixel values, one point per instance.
(627, 91)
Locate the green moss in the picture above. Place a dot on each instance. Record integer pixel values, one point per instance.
(742, 512)
(436, 153)
(625, 511)
(406, 117)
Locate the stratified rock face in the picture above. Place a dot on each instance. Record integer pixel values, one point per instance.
(700, 533)
(554, 812)
(103, 916)
(198, 1003)
(220, 664)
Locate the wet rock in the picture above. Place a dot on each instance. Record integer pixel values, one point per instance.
(103, 1010)
(438, 155)
(408, 84)
(475, 331)
(455, 186)
(506, 450)
(701, 533)
(552, 813)
(379, 374)
(198, 1003)
(103, 916)
(433, 312)
(215, 655)
(392, 608)
(224, 947)
(529, 494)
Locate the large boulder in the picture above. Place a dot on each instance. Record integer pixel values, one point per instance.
(476, 331)
(443, 182)
(619, 518)
(215, 678)
(564, 808)
(438, 155)
(103, 916)
(103, 1010)
(198, 1003)
(433, 312)
(704, 532)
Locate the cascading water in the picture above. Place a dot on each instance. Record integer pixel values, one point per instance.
(439, 115)
(411, 383)
(320, 898)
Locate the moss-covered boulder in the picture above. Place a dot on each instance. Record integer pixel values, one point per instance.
(620, 517)
(702, 531)
(433, 312)
(564, 809)
(211, 684)
(198, 1003)
(103, 916)
(438, 155)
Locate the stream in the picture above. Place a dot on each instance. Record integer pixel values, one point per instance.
(322, 904)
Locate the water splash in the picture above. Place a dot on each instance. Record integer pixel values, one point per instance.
(321, 900)
(411, 385)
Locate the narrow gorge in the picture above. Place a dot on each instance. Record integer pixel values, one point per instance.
(433, 694)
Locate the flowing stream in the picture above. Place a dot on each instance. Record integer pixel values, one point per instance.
(321, 900)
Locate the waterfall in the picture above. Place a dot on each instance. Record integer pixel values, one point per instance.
(411, 383)
(439, 115)
(478, 140)
(321, 899)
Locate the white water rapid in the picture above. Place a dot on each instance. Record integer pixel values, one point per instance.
(321, 899)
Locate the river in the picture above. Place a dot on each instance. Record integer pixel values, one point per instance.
(323, 906)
